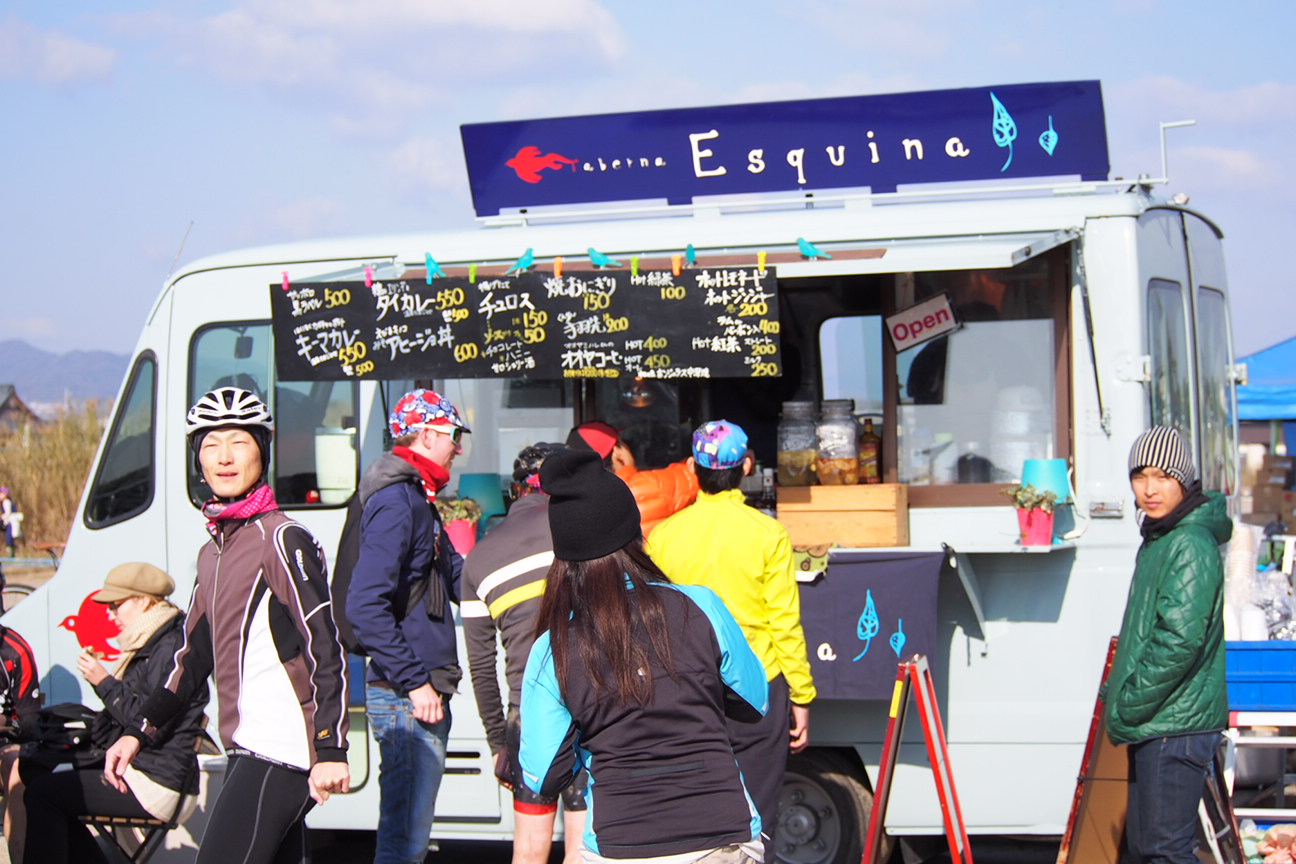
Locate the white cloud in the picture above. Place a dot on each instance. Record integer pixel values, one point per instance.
(1225, 166)
(34, 328)
(431, 165)
(28, 53)
(1164, 97)
(382, 61)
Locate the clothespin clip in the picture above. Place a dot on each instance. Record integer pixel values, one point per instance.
(677, 264)
(558, 266)
(472, 273)
(634, 266)
(368, 271)
(433, 268)
(760, 260)
(690, 256)
(285, 280)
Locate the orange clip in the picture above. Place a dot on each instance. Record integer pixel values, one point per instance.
(558, 267)
(677, 264)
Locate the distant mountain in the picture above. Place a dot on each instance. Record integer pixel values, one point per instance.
(39, 376)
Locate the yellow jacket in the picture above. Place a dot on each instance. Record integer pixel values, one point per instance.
(745, 557)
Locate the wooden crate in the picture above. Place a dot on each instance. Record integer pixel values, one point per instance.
(854, 516)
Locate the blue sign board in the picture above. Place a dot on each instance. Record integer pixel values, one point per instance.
(880, 142)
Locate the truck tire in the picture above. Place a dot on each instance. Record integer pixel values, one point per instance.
(824, 811)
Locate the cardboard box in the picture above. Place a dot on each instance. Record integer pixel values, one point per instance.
(1269, 499)
(1281, 463)
(853, 516)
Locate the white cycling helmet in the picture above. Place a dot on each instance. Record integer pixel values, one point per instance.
(225, 407)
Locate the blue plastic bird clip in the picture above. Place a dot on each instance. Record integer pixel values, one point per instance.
(523, 263)
(601, 260)
(810, 250)
(690, 255)
(433, 268)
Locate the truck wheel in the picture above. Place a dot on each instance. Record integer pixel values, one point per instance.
(824, 811)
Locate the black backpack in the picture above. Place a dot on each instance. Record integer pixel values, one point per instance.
(348, 555)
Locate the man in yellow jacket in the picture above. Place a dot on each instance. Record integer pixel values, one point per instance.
(745, 557)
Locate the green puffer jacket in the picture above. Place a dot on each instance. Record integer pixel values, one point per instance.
(1168, 675)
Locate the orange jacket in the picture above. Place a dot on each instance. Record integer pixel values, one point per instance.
(659, 492)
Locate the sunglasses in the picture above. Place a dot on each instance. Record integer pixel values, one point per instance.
(116, 604)
(455, 432)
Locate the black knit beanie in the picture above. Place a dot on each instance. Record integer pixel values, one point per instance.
(1164, 448)
(592, 512)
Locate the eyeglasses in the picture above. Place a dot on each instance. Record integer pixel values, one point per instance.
(114, 605)
(455, 432)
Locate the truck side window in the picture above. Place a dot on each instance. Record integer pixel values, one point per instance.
(123, 486)
(1215, 392)
(1171, 387)
(315, 461)
(973, 405)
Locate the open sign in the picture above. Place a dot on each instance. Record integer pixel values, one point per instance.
(917, 324)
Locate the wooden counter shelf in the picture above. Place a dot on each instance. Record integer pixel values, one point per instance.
(862, 516)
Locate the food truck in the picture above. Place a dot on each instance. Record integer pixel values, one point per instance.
(958, 264)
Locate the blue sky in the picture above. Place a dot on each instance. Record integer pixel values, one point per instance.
(271, 120)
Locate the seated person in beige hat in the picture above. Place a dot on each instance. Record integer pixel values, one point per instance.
(152, 630)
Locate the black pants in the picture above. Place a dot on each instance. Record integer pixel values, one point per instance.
(260, 816)
(55, 800)
(762, 752)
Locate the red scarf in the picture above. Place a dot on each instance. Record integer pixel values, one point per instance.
(434, 476)
(260, 500)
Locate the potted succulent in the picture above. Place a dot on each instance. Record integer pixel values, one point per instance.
(1034, 513)
(460, 516)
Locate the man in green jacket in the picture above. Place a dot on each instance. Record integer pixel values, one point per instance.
(1165, 696)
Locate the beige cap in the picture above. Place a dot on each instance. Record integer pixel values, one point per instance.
(135, 579)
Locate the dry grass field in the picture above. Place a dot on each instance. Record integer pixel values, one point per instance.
(45, 467)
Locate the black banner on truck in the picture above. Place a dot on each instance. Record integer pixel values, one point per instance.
(705, 323)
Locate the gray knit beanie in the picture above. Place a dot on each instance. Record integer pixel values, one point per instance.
(1164, 448)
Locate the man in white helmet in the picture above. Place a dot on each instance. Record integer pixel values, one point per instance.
(264, 629)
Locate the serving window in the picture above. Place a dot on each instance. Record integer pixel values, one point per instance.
(958, 414)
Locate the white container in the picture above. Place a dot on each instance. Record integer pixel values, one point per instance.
(335, 461)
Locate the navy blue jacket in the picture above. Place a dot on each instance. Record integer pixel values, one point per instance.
(399, 534)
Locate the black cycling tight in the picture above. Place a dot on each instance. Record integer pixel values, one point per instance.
(260, 816)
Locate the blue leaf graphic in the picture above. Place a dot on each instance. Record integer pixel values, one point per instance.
(1048, 138)
(1005, 130)
(898, 637)
(868, 626)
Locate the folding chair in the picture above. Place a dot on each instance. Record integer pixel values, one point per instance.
(155, 830)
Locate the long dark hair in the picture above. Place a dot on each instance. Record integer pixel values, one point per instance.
(590, 609)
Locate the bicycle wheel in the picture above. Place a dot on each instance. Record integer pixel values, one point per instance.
(13, 593)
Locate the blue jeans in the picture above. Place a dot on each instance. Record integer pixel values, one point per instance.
(409, 774)
(1167, 779)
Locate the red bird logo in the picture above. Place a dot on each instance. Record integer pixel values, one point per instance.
(528, 163)
(93, 628)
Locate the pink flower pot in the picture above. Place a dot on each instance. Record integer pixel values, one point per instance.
(1036, 527)
(463, 534)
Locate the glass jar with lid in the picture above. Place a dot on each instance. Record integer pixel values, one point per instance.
(798, 444)
(837, 463)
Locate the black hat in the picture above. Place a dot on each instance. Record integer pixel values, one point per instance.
(592, 512)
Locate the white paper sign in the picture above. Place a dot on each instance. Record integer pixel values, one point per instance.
(917, 324)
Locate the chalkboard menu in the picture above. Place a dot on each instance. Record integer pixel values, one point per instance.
(703, 323)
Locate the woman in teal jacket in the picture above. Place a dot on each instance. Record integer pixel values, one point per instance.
(1165, 696)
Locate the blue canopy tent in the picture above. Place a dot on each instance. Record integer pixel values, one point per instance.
(1270, 391)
